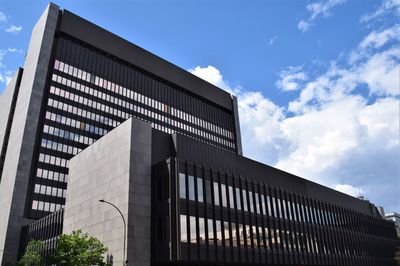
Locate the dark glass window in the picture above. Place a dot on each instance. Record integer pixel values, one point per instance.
(208, 191)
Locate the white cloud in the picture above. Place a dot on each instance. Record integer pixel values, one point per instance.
(303, 25)
(378, 39)
(213, 76)
(6, 74)
(375, 41)
(350, 190)
(386, 7)
(14, 29)
(331, 133)
(291, 78)
(378, 73)
(317, 9)
(15, 50)
(272, 40)
(3, 17)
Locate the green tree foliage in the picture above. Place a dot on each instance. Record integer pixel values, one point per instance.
(32, 255)
(78, 249)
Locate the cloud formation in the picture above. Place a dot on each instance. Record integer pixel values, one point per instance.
(5, 73)
(333, 133)
(385, 7)
(272, 40)
(14, 29)
(3, 17)
(316, 10)
(291, 78)
(350, 190)
(10, 28)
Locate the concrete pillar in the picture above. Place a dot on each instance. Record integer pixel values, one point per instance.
(17, 164)
(116, 168)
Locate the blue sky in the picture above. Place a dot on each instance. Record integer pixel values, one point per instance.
(317, 81)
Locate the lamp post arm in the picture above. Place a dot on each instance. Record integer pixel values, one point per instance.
(125, 261)
(123, 219)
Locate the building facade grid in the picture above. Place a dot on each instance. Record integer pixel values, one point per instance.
(231, 219)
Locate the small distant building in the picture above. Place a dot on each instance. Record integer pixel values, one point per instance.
(395, 217)
(381, 211)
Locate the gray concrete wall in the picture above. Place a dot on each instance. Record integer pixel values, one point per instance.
(5, 105)
(237, 125)
(116, 168)
(17, 165)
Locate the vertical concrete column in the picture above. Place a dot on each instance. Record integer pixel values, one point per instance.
(8, 101)
(237, 125)
(139, 219)
(116, 168)
(17, 164)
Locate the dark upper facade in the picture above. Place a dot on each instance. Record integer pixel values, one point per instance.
(98, 80)
(79, 82)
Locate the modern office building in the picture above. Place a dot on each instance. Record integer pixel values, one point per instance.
(115, 122)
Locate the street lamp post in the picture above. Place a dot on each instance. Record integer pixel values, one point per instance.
(125, 261)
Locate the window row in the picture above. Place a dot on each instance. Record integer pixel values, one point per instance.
(45, 158)
(50, 191)
(53, 145)
(80, 112)
(224, 233)
(113, 87)
(118, 112)
(75, 123)
(194, 189)
(51, 175)
(45, 206)
(67, 135)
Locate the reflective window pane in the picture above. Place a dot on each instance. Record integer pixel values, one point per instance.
(244, 200)
(210, 232)
(257, 203)
(227, 234)
(231, 196)
(238, 202)
(202, 232)
(191, 187)
(183, 229)
(251, 201)
(263, 204)
(200, 190)
(223, 195)
(182, 186)
(218, 231)
(193, 238)
(216, 194)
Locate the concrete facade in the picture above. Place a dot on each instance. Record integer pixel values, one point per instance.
(17, 165)
(5, 103)
(237, 125)
(116, 168)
